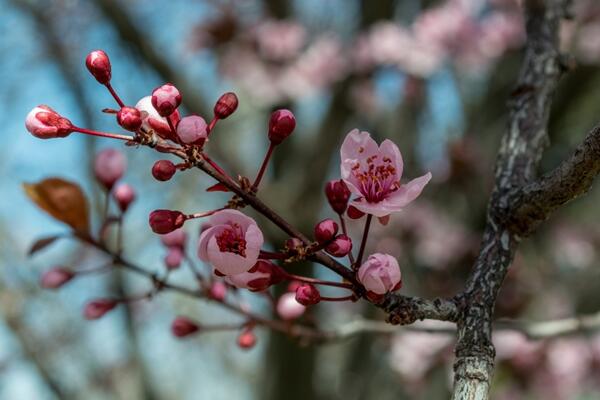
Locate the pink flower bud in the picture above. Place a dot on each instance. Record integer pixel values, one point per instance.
(163, 170)
(152, 121)
(340, 247)
(263, 275)
(45, 123)
(338, 195)
(165, 221)
(109, 167)
(192, 130)
(307, 295)
(182, 327)
(226, 105)
(130, 118)
(166, 99)
(355, 213)
(56, 277)
(281, 125)
(247, 339)
(177, 238)
(98, 63)
(326, 230)
(97, 308)
(380, 274)
(288, 308)
(124, 195)
(173, 258)
(218, 291)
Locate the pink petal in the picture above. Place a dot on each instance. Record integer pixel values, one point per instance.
(226, 217)
(205, 238)
(357, 147)
(389, 149)
(408, 192)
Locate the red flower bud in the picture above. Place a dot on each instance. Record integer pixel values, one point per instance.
(326, 230)
(98, 63)
(173, 258)
(281, 125)
(355, 213)
(124, 195)
(166, 99)
(182, 327)
(97, 308)
(338, 195)
(307, 295)
(192, 130)
(226, 105)
(56, 277)
(165, 221)
(45, 123)
(340, 247)
(247, 339)
(130, 118)
(163, 170)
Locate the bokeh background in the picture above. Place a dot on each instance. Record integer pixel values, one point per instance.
(434, 76)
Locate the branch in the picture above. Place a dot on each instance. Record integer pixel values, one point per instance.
(403, 310)
(571, 179)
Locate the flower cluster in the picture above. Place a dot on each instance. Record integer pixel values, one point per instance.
(231, 244)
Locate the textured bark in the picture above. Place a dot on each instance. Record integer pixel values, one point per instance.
(518, 158)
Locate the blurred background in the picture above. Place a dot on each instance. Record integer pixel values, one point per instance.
(433, 76)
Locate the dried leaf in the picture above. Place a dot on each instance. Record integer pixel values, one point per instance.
(63, 200)
(42, 243)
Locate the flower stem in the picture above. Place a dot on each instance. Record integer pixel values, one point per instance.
(204, 214)
(363, 242)
(314, 281)
(345, 298)
(102, 134)
(345, 232)
(115, 95)
(211, 126)
(263, 167)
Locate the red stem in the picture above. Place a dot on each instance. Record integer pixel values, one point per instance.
(102, 134)
(263, 167)
(115, 95)
(204, 214)
(314, 281)
(211, 126)
(346, 298)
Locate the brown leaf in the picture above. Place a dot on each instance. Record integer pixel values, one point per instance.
(63, 200)
(42, 243)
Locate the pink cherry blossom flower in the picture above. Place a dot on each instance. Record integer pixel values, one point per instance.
(232, 243)
(380, 274)
(373, 174)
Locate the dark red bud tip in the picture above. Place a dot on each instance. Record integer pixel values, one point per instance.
(326, 230)
(97, 308)
(165, 221)
(130, 118)
(340, 247)
(182, 327)
(226, 105)
(338, 195)
(98, 63)
(281, 125)
(307, 295)
(163, 170)
(355, 213)
(56, 277)
(247, 339)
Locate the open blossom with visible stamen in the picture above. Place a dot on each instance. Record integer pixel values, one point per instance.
(373, 174)
(151, 119)
(232, 243)
(380, 274)
(45, 123)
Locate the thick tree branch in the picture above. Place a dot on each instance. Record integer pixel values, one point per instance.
(516, 165)
(571, 179)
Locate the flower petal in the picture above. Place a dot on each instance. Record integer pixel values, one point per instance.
(389, 149)
(204, 239)
(357, 147)
(227, 263)
(227, 217)
(408, 192)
